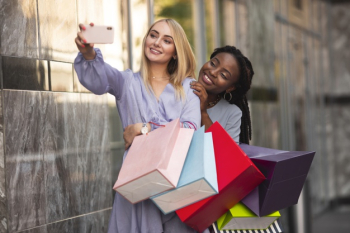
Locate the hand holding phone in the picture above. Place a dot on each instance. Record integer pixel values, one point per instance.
(98, 34)
(86, 44)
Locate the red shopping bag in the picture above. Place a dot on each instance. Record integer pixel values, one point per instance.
(237, 176)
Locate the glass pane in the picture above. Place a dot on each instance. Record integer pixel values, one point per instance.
(227, 22)
(242, 24)
(298, 4)
(139, 26)
(209, 26)
(107, 12)
(180, 10)
(265, 124)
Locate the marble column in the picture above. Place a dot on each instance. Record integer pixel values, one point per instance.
(57, 159)
(3, 200)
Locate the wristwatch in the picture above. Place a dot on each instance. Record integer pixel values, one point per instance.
(144, 129)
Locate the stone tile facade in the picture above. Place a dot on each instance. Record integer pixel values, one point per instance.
(57, 156)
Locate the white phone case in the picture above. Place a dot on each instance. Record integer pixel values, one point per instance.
(98, 34)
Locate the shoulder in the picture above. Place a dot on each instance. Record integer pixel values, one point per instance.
(130, 74)
(231, 110)
(234, 108)
(187, 88)
(186, 82)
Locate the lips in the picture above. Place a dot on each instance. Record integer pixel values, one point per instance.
(154, 51)
(207, 80)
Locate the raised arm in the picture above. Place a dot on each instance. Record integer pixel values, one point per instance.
(93, 73)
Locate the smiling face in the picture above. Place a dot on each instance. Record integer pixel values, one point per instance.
(219, 74)
(159, 45)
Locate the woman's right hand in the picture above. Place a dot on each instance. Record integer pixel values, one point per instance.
(200, 91)
(202, 94)
(87, 50)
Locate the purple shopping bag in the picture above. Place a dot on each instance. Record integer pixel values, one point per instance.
(285, 173)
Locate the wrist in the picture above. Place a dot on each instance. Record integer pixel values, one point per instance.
(90, 56)
(205, 116)
(143, 128)
(204, 113)
(137, 129)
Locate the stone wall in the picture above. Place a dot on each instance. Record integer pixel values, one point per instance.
(338, 97)
(55, 155)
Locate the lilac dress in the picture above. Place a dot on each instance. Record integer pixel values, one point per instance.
(135, 104)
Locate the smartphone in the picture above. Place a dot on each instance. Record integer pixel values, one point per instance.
(98, 34)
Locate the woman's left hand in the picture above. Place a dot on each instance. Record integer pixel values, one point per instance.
(130, 132)
(200, 91)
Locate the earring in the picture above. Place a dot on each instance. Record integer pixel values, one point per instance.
(174, 57)
(230, 96)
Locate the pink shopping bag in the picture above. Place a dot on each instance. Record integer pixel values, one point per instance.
(154, 162)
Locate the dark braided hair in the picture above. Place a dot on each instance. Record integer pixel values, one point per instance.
(239, 97)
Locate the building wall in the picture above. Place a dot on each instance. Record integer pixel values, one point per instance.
(338, 98)
(57, 160)
(55, 141)
(3, 196)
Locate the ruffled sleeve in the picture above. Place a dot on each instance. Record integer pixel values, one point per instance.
(98, 76)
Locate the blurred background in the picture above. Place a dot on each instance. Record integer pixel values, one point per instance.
(61, 147)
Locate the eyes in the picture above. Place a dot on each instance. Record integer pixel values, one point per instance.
(212, 63)
(166, 40)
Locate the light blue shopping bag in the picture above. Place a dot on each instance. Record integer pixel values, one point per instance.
(198, 178)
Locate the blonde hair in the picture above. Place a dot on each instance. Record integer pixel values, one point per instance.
(178, 69)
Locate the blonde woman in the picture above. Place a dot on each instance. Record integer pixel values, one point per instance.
(156, 95)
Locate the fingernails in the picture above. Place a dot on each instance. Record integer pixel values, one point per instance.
(85, 41)
(83, 46)
(83, 28)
